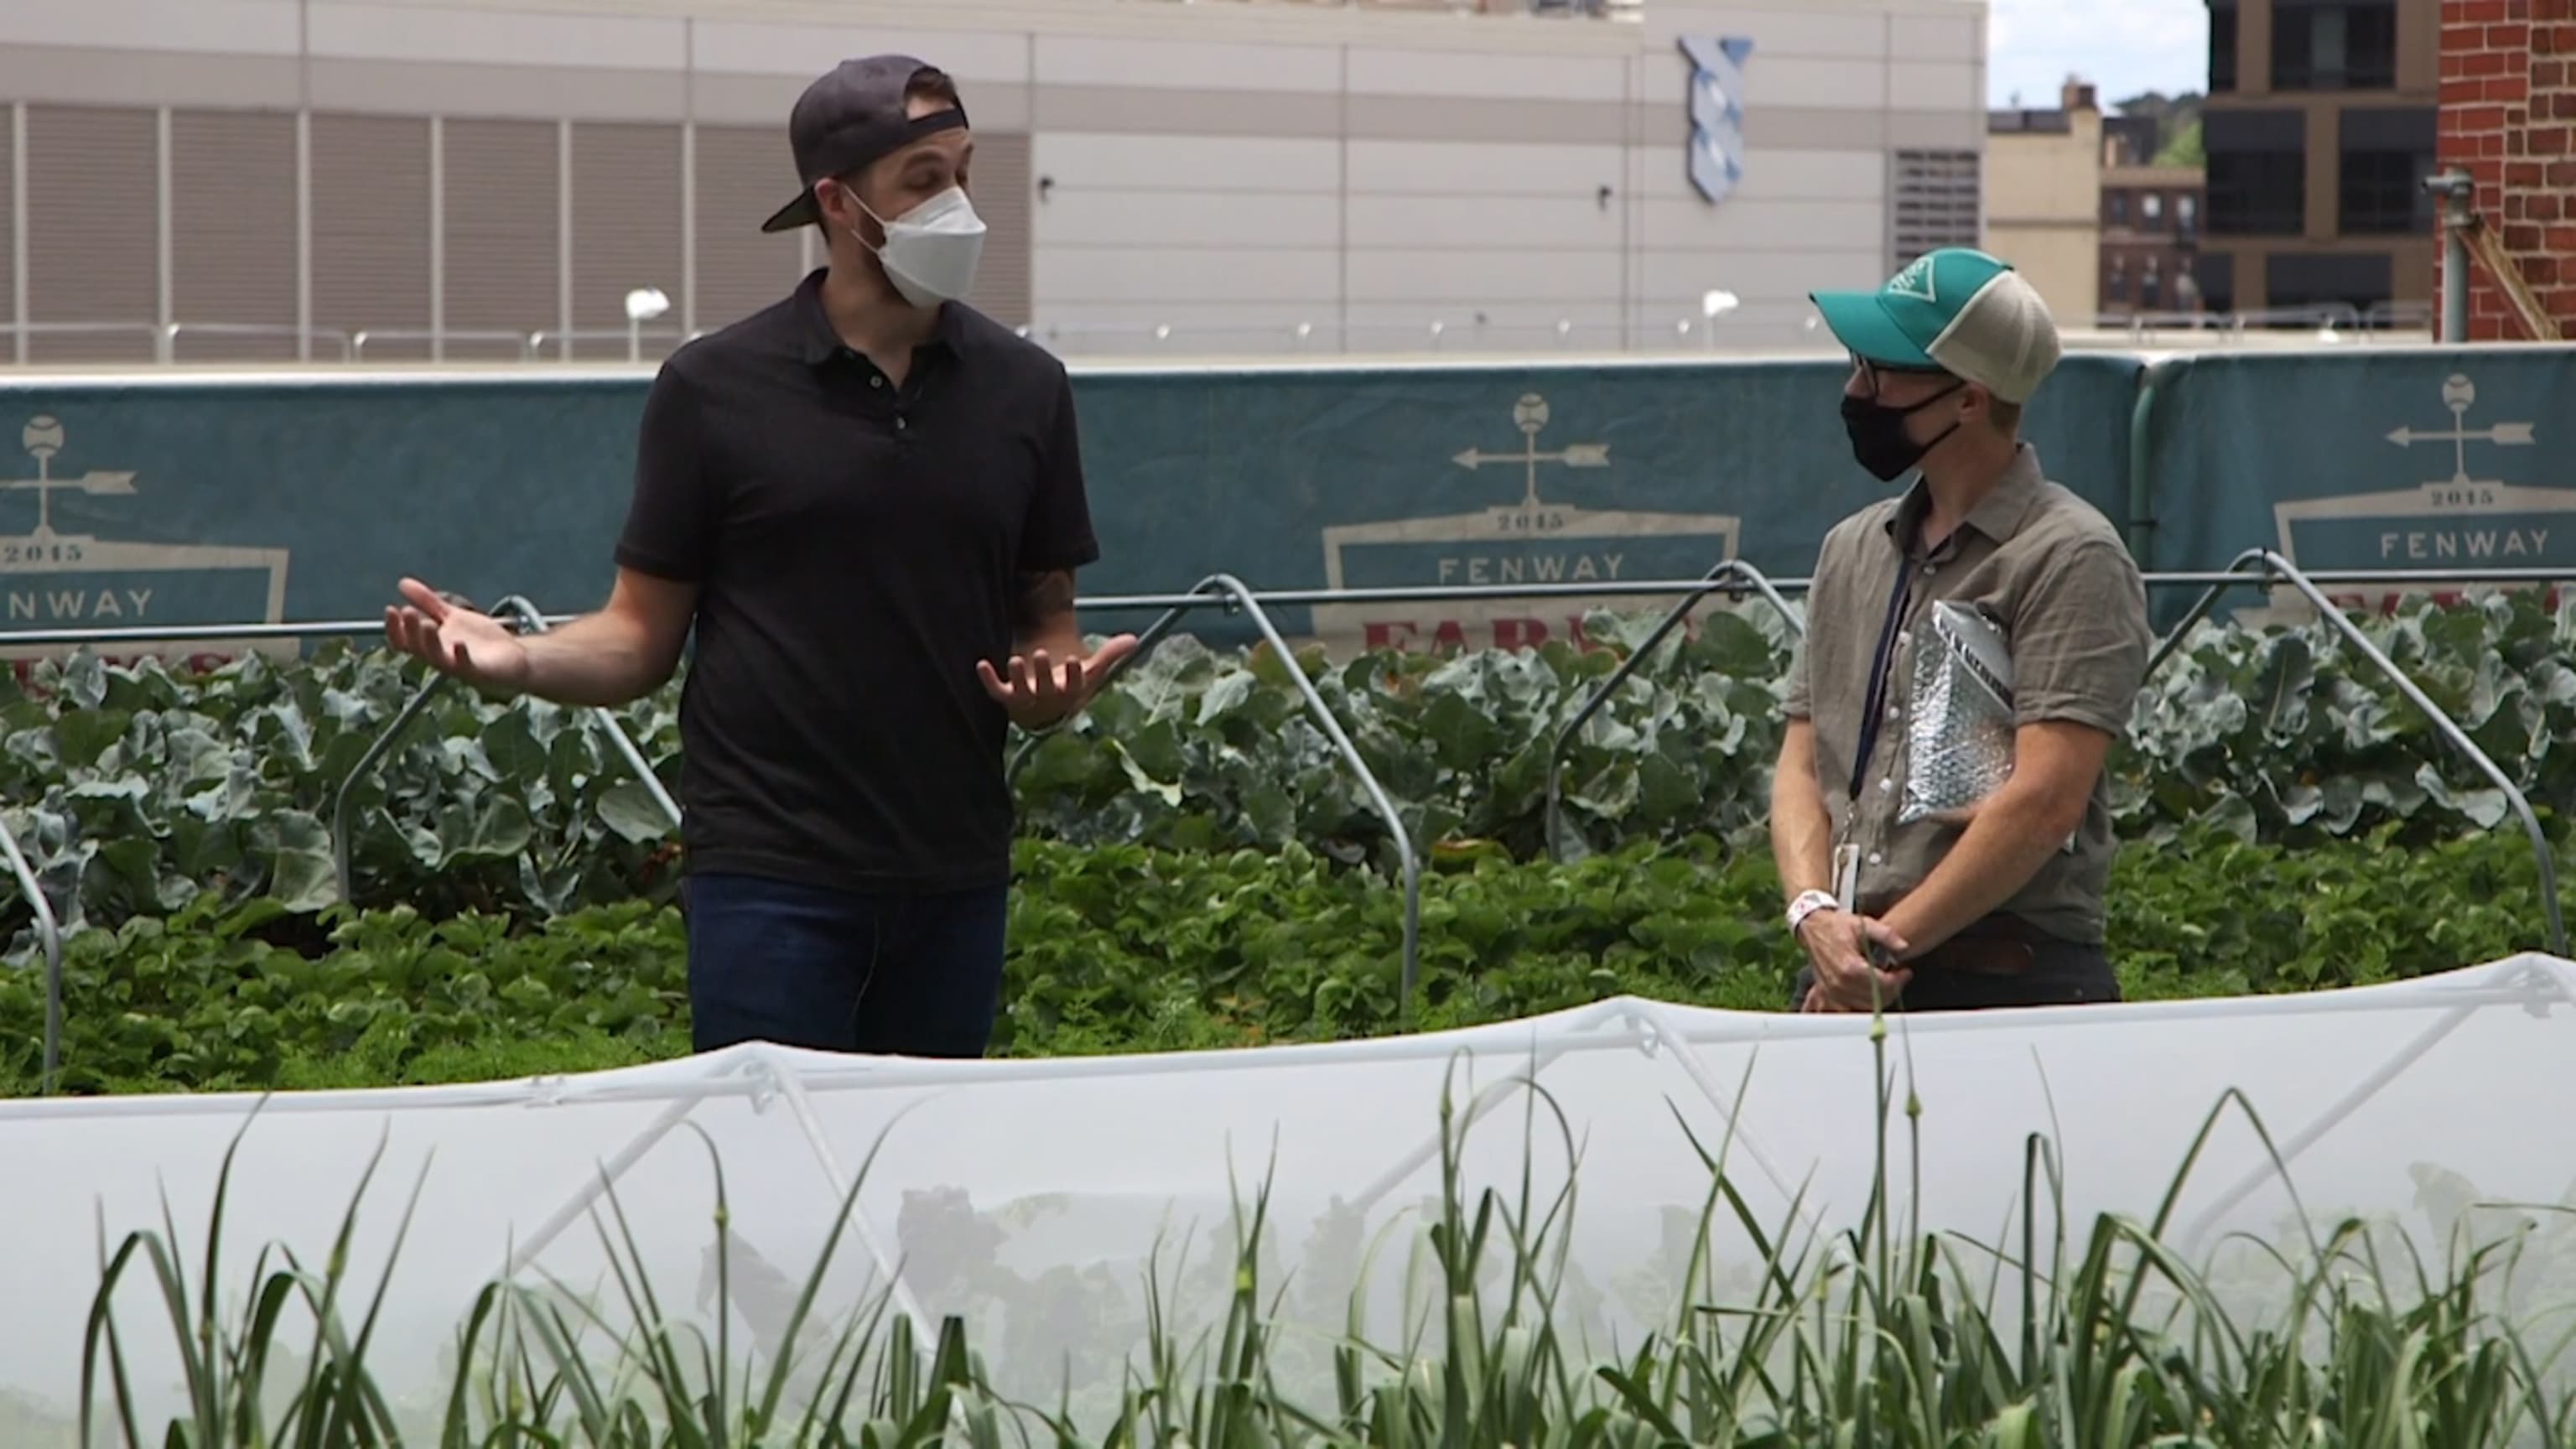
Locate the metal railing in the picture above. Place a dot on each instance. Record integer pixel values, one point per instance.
(1735, 576)
(523, 617)
(311, 339)
(1231, 595)
(436, 342)
(2253, 566)
(1612, 326)
(2392, 580)
(2257, 565)
(2324, 321)
(625, 344)
(50, 932)
(162, 340)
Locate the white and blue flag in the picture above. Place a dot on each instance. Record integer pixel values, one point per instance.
(1716, 111)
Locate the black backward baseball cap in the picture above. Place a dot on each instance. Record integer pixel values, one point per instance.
(850, 117)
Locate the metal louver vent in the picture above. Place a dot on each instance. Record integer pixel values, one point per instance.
(232, 236)
(371, 233)
(744, 173)
(1933, 202)
(626, 234)
(502, 211)
(1003, 189)
(93, 233)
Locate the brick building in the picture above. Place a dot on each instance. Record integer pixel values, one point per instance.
(2509, 120)
(2150, 239)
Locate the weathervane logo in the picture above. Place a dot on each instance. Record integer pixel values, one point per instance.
(1530, 541)
(51, 578)
(1716, 112)
(1530, 416)
(2464, 518)
(2459, 395)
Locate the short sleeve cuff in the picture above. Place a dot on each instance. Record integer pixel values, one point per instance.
(660, 566)
(1080, 553)
(2071, 709)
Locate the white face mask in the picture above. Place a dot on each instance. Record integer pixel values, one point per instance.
(930, 251)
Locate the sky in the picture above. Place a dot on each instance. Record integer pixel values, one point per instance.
(2123, 47)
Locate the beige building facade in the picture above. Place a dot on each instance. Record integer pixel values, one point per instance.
(489, 179)
(2044, 200)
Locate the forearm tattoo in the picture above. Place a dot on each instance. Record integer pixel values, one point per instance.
(1044, 596)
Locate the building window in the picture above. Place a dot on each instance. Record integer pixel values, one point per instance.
(2119, 208)
(2215, 274)
(2187, 216)
(2151, 207)
(1935, 203)
(2257, 193)
(2119, 279)
(2382, 192)
(2258, 172)
(2386, 154)
(2151, 290)
(2334, 45)
(2222, 46)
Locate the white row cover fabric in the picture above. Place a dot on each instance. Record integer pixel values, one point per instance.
(1030, 1196)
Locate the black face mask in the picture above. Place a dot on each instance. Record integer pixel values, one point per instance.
(1878, 434)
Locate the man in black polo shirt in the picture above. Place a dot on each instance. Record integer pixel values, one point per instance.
(868, 502)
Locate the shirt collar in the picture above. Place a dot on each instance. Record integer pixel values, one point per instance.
(1999, 515)
(818, 344)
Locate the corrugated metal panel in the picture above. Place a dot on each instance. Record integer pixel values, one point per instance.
(371, 232)
(744, 174)
(232, 234)
(1004, 190)
(1934, 201)
(626, 232)
(93, 241)
(503, 269)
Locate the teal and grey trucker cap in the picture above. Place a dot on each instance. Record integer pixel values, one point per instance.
(1969, 314)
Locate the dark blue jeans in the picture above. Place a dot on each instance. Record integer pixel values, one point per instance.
(910, 975)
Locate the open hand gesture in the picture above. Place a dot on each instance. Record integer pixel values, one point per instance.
(470, 645)
(1039, 692)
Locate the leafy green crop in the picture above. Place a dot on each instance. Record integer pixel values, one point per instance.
(134, 789)
(1127, 948)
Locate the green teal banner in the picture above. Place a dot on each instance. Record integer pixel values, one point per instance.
(143, 502)
(1484, 476)
(140, 501)
(2416, 459)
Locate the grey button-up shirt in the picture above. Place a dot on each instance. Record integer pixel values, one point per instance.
(2054, 571)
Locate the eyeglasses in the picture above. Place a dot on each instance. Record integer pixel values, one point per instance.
(1870, 372)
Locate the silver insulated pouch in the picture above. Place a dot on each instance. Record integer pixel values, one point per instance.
(1959, 736)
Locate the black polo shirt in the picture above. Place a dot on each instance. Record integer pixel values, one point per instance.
(858, 547)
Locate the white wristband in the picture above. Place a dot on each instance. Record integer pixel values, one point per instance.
(1807, 904)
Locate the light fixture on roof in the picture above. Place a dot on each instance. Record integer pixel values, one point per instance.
(642, 306)
(1713, 304)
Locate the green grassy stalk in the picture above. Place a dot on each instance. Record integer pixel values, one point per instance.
(1868, 1337)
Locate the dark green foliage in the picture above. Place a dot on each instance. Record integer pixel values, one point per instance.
(134, 789)
(1127, 948)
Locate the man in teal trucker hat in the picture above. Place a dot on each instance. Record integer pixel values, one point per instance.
(2001, 903)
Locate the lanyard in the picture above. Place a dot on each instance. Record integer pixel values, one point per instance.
(1881, 665)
